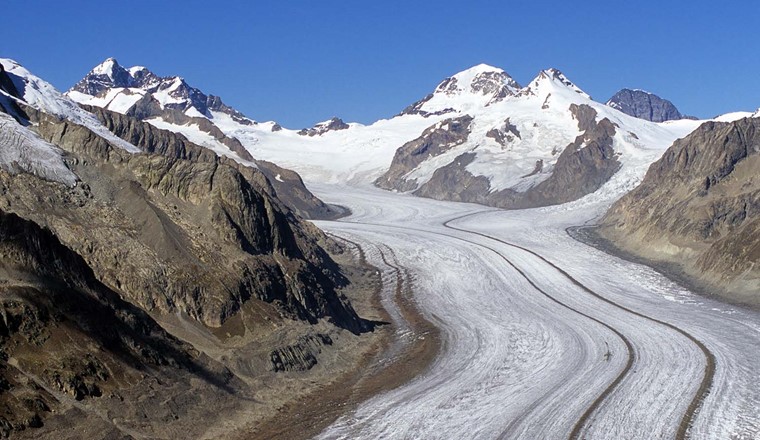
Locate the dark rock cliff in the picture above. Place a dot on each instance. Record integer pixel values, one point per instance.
(66, 337)
(434, 141)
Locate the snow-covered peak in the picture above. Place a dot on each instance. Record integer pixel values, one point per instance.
(105, 76)
(115, 88)
(107, 68)
(482, 79)
(552, 81)
(471, 89)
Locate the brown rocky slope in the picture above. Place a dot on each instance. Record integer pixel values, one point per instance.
(159, 293)
(699, 207)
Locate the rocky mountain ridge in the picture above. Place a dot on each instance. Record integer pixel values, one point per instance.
(114, 226)
(169, 102)
(699, 207)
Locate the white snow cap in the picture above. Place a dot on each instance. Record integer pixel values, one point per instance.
(552, 79)
(106, 67)
(465, 81)
(134, 69)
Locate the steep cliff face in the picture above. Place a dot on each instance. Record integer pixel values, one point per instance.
(699, 207)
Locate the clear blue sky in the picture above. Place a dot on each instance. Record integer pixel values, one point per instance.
(299, 62)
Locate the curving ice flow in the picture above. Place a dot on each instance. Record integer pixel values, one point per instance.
(544, 337)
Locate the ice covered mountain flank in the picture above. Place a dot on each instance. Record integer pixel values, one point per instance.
(542, 144)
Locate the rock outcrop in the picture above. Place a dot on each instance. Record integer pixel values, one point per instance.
(323, 127)
(433, 142)
(644, 105)
(699, 207)
(177, 233)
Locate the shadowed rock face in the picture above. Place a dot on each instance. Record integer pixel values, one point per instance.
(582, 168)
(644, 105)
(699, 207)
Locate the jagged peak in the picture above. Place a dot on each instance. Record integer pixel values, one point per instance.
(107, 67)
(134, 69)
(552, 78)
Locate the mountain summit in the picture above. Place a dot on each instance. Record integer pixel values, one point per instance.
(138, 91)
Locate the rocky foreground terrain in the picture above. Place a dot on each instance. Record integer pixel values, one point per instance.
(151, 287)
(699, 208)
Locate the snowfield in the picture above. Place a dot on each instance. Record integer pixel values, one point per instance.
(545, 337)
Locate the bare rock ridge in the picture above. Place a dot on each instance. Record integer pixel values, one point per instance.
(699, 207)
(644, 105)
(199, 232)
(278, 182)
